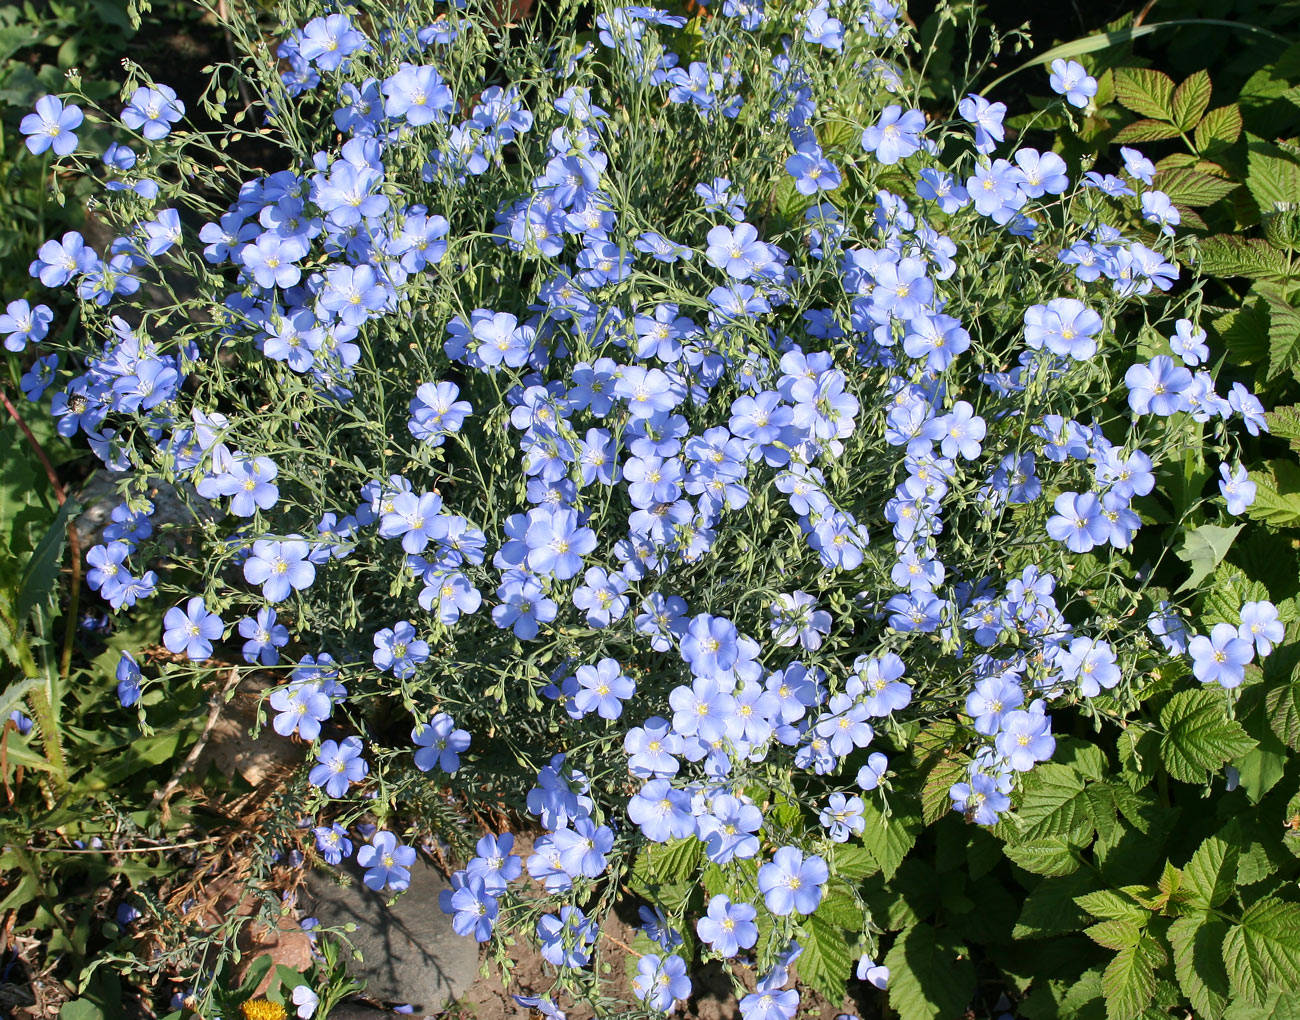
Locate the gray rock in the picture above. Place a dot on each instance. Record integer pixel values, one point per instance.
(410, 953)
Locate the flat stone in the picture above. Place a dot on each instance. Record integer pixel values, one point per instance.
(409, 952)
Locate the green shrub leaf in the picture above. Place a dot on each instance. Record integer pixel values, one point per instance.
(1197, 942)
(826, 961)
(1199, 736)
(1146, 92)
(1211, 874)
(1220, 128)
(1255, 259)
(1264, 949)
(1191, 100)
(1146, 130)
(1272, 176)
(930, 975)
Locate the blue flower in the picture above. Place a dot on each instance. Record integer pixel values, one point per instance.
(792, 884)
(129, 678)
(192, 630)
(1222, 657)
(1260, 625)
(603, 688)
(769, 1005)
(841, 817)
(340, 765)
(979, 800)
(24, 324)
(472, 905)
(812, 172)
(153, 111)
(987, 118)
(439, 744)
(332, 842)
(418, 94)
(1091, 663)
(280, 567)
(1236, 488)
(1065, 326)
(661, 812)
(264, 637)
(386, 862)
(895, 135)
(329, 40)
(1157, 387)
(399, 650)
(1079, 521)
(1026, 737)
(52, 126)
(566, 940)
(660, 982)
(1069, 79)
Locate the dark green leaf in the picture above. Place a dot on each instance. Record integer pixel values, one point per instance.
(1129, 980)
(41, 577)
(1050, 908)
(1251, 257)
(1197, 941)
(1263, 950)
(1191, 100)
(1146, 92)
(1219, 129)
(930, 975)
(1186, 186)
(1272, 176)
(1199, 736)
(1145, 130)
(1051, 857)
(826, 961)
(1211, 874)
(889, 838)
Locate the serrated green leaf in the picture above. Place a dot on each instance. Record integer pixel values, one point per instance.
(1054, 804)
(1203, 549)
(853, 862)
(944, 770)
(1211, 875)
(825, 962)
(1282, 705)
(1186, 186)
(1283, 335)
(838, 907)
(1197, 942)
(1051, 857)
(1191, 100)
(1145, 130)
(888, 839)
(1220, 128)
(1230, 590)
(1272, 176)
(1147, 92)
(1263, 950)
(930, 975)
(1244, 332)
(1114, 934)
(1277, 495)
(1113, 906)
(1199, 737)
(1129, 981)
(1251, 257)
(1284, 422)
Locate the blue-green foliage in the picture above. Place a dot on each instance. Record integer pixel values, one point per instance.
(711, 440)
